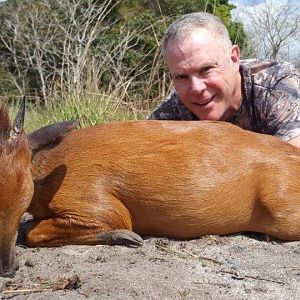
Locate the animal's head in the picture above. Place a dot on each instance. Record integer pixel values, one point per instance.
(16, 186)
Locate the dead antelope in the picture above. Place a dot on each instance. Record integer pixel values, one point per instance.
(16, 186)
(111, 183)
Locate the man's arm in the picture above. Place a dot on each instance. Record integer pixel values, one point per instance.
(295, 141)
(171, 109)
(279, 105)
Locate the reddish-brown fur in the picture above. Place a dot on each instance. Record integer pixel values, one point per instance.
(173, 179)
(162, 178)
(16, 190)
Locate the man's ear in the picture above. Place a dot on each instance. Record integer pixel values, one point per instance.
(235, 56)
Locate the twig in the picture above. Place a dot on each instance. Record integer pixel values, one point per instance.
(24, 291)
(172, 251)
(293, 268)
(184, 253)
(213, 283)
(202, 257)
(253, 277)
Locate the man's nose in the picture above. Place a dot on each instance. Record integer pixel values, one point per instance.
(197, 85)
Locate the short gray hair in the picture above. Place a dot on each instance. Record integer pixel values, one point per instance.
(187, 23)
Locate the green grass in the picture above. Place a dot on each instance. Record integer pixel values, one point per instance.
(89, 110)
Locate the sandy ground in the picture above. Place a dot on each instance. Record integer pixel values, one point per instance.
(213, 267)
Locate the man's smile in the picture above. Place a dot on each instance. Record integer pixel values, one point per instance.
(205, 101)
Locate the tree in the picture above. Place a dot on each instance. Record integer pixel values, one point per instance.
(273, 28)
(68, 46)
(150, 20)
(44, 41)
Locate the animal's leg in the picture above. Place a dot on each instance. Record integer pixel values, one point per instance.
(286, 228)
(119, 237)
(100, 219)
(279, 218)
(57, 232)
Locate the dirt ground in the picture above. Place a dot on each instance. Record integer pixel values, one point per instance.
(213, 267)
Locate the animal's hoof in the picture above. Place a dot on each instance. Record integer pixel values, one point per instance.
(120, 237)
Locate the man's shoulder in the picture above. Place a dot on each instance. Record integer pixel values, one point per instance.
(266, 71)
(259, 65)
(171, 109)
(272, 90)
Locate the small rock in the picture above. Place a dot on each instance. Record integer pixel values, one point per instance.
(29, 263)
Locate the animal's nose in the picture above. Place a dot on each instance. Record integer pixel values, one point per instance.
(9, 274)
(9, 271)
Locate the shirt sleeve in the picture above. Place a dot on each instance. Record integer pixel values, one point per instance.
(283, 113)
(171, 109)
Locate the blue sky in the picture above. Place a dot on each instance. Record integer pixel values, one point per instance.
(236, 2)
(246, 8)
(250, 2)
(244, 2)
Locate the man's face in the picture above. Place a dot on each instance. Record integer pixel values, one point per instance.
(205, 75)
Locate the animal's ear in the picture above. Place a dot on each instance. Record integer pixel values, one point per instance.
(4, 124)
(19, 121)
(50, 134)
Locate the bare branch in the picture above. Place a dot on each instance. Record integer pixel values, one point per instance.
(272, 28)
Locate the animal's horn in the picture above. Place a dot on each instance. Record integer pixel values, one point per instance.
(19, 120)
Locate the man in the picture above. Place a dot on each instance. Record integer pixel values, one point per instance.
(211, 83)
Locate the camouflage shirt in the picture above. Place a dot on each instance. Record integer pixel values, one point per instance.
(270, 102)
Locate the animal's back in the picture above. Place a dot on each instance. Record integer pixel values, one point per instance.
(175, 178)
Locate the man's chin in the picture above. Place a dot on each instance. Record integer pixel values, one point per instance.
(209, 112)
(208, 116)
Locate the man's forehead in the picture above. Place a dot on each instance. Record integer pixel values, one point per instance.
(195, 35)
(195, 44)
(195, 55)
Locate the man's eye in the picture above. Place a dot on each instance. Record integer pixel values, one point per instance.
(206, 69)
(180, 77)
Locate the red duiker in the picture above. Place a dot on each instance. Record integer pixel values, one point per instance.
(16, 186)
(111, 183)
